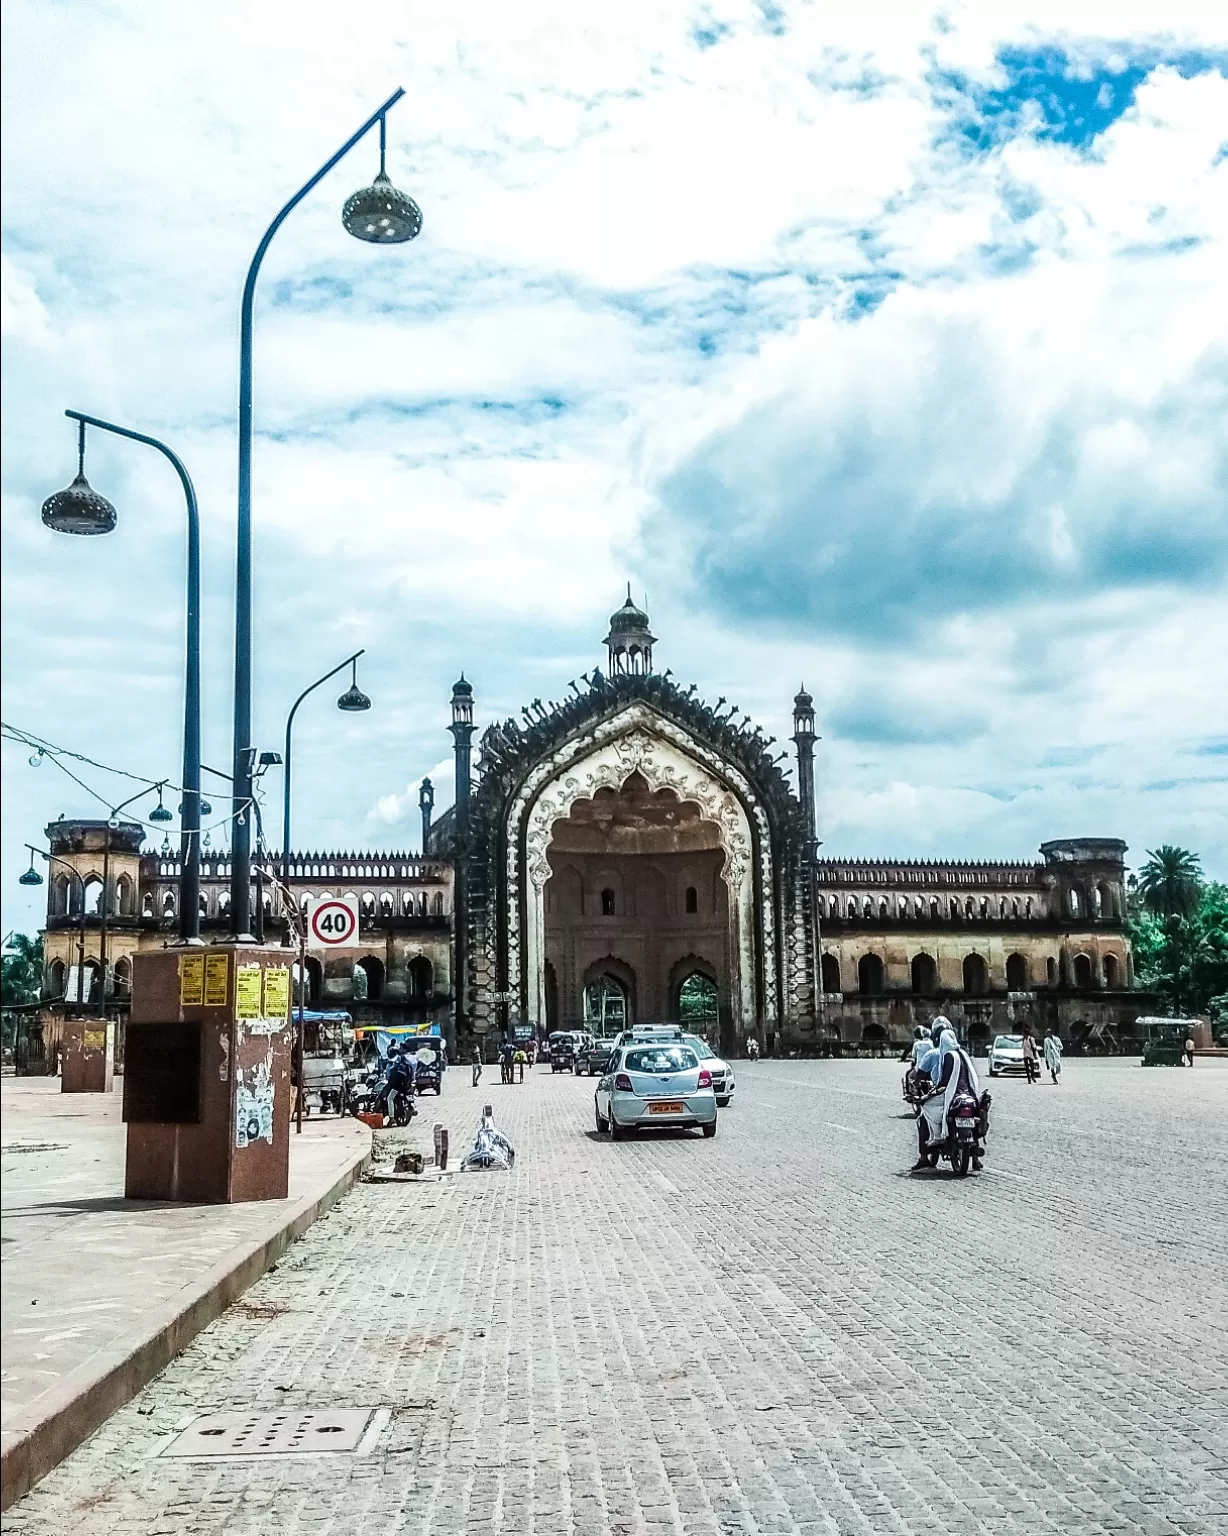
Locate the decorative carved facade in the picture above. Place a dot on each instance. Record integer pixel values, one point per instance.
(633, 841)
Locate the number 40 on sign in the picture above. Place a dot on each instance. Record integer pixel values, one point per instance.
(332, 922)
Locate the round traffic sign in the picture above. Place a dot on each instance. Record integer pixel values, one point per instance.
(333, 922)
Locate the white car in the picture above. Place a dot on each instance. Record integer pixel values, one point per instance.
(1006, 1055)
(654, 1082)
(723, 1084)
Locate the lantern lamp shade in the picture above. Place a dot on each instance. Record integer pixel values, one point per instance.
(353, 700)
(30, 876)
(79, 509)
(381, 215)
(160, 813)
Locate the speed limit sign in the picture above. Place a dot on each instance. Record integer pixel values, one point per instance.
(332, 922)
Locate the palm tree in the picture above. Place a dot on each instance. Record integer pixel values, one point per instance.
(1170, 883)
(22, 970)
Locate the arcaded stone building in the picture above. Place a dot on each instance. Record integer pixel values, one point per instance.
(634, 854)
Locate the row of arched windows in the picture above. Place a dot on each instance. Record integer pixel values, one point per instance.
(368, 980)
(933, 909)
(58, 975)
(71, 897)
(1082, 972)
(385, 906)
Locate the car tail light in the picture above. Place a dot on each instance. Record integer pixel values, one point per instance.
(705, 1078)
(623, 1083)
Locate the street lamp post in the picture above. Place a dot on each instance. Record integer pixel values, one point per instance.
(353, 701)
(79, 509)
(32, 877)
(380, 215)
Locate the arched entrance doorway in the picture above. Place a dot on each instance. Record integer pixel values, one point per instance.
(636, 873)
(607, 1006)
(697, 1005)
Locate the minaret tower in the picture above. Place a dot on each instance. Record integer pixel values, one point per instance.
(426, 804)
(629, 642)
(804, 739)
(462, 736)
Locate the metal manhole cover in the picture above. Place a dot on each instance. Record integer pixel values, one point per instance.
(328, 1432)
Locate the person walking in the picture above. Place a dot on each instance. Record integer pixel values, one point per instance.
(518, 1061)
(1053, 1055)
(505, 1062)
(1031, 1065)
(476, 1062)
(1187, 1052)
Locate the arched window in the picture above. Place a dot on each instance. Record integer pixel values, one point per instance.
(421, 903)
(870, 976)
(315, 982)
(368, 908)
(147, 904)
(385, 906)
(204, 905)
(933, 909)
(373, 973)
(223, 904)
(692, 899)
(1083, 975)
(1015, 908)
(93, 894)
(168, 904)
(1106, 904)
(421, 976)
(1072, 900)
(867, 907)
(968, 909)
(55, 979)
(882, 909)
(605, 1006)
(1112, 971)
(1051, 972)
(852, 912)
(437, 905)
(123, 976)
(59, 896)
(123, 897)
(924, 975)
(831, 973)
(697, 1008)
(407, 903)
(976, 976)
(93, 982)
(607, 902)
(1016, 973)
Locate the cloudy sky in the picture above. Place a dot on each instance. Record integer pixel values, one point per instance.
(880, 346)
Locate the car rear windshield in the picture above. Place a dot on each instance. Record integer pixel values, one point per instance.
(701, 1048)
(660, 1059)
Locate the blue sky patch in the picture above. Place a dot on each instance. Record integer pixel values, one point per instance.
(1056, 97)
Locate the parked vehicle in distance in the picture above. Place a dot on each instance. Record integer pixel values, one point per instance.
(562, 1050)
(592, 1057)
(660, 1083)
(723, 1084)
(1006, 1055)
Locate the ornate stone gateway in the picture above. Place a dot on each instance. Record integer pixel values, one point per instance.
(627, 841)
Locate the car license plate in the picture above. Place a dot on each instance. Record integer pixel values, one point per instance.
(965, 1124)
(665, 1107)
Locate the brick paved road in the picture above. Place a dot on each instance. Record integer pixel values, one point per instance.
(758, 1333)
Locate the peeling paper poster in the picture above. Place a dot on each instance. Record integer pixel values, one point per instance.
(248, 991)
(217, 981)
(191, 980)
(254, 1107)
(277, 993)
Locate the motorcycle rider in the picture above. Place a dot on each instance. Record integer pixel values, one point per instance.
(952, 1072)
(399, 1079)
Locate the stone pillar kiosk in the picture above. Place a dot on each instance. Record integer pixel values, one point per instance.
(87, 1055)
(207, 1075)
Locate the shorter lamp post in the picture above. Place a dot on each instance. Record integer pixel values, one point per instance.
(80, 509)
(352, 701)
(31, 876)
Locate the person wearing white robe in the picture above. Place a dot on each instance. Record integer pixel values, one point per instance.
(952, 1070)
(1053, 1054)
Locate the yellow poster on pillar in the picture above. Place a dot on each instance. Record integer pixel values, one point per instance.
(191, 980)
(247, 992)
(217, 981)
(276, 992)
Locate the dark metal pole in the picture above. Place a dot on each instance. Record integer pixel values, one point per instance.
(189, 823)
(104, 907)
(285, 767)
(240, 878)
(54, 858)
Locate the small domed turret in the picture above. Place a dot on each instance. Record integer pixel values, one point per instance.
(629, 642)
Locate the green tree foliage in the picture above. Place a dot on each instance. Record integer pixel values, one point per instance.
(1179, 932)
(1170, 883)
(21, 970)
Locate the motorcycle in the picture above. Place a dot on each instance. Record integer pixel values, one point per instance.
(389, 1093)
(967, 1128)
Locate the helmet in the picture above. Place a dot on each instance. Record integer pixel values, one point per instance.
(918, 1033)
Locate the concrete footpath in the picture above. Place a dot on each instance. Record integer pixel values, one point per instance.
(99, 1293)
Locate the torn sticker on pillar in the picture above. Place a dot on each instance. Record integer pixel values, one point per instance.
(254, 1106)
(223, 1066)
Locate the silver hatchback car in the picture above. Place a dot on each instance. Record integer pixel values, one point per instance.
(723, 1085)
(651, 1082)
